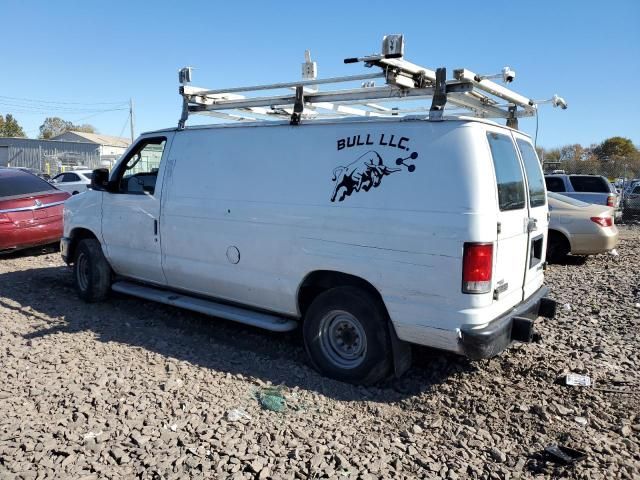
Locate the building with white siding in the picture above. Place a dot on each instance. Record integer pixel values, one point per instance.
(110, 147)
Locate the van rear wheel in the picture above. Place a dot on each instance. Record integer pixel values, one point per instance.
(346, 336)
(91, 271)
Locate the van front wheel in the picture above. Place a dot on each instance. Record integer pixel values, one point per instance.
(347, 337)
(91, 271)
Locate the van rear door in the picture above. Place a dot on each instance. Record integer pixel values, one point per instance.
(538, 215)
(513, 216)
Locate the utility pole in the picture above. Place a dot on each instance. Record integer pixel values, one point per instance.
(131, 118)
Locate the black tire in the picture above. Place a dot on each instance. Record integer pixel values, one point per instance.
(354, 352)
(558, 247)
(91, 271)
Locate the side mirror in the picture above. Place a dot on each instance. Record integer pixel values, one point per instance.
(100, 179)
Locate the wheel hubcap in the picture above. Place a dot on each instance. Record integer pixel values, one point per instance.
(342, 339)
(82, 271)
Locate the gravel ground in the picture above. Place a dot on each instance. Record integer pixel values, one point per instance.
(130, 388)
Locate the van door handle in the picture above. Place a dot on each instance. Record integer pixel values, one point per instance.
(532, 225)
(155, 226)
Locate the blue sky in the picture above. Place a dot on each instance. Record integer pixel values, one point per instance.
(94, 52)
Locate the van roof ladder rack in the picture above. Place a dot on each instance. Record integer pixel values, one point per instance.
(467, 93)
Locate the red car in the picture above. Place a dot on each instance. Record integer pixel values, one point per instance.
(30, 210)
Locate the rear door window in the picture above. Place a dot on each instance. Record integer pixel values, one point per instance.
(22, 183)
(537, 197)
(554, 184)
(508, 172)
(70, 177)
(585, 183)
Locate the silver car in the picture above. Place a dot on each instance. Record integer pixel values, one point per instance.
(632, 203)
(579, 228)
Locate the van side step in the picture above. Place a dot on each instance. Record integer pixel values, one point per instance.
(208, 307)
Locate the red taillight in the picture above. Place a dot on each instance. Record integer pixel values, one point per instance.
(611, 201)
(477, 266)
(603, 221)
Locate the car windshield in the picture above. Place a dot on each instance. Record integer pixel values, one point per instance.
(22, 183)
(565, 199)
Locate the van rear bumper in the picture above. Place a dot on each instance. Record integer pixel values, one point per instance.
(515, 325)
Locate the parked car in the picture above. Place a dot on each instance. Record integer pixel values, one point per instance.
(631, 207)
(629, 186)
(350, 227)
(579, 228)
(30, 210)
(587, 188)
(74, 182)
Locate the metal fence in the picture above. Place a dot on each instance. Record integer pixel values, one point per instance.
(50, 156)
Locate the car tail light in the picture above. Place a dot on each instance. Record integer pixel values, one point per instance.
(477, 267)
(4, 218)
(611, 201)
(603, 221)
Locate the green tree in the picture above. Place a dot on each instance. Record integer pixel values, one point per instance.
(54, 126)
(85, 127)
(9, 127)
(616, 147)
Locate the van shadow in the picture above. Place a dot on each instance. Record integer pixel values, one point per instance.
(204, 341)
(571, 260)
(30, 252)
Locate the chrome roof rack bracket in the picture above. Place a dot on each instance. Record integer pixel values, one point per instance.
(439, 95)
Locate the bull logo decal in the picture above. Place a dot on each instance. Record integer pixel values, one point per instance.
(365, 173)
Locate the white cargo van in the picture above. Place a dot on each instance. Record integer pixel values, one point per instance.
(371, 233)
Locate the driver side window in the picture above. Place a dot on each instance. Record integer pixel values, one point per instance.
(138, 173)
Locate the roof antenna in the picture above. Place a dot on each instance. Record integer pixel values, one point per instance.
(309, 68)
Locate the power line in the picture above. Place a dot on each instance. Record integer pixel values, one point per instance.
(78, 120)
(125, 124)
(47, 108)
(63, 103)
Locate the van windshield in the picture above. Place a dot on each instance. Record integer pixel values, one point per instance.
(508, 172)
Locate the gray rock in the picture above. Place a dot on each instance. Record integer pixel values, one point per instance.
(498, 455)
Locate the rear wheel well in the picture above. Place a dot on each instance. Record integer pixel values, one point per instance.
(78, 234)
(558, 245)
(320, 281)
